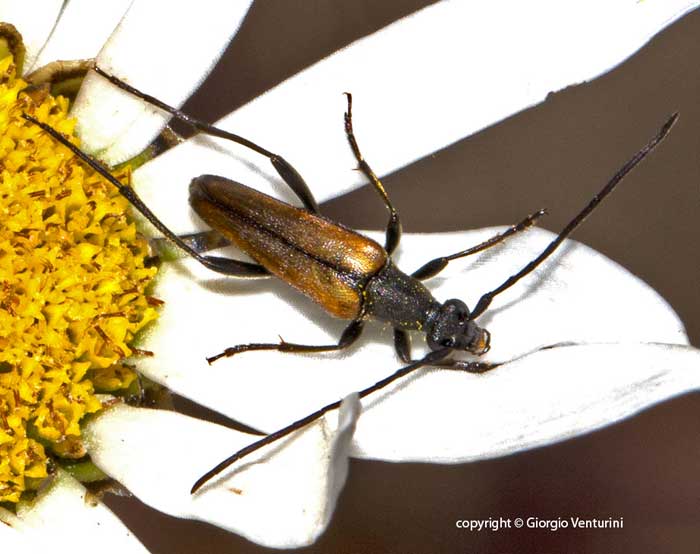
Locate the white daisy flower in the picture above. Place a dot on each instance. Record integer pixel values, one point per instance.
(605, 369)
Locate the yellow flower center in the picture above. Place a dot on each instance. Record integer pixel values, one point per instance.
(72, 289)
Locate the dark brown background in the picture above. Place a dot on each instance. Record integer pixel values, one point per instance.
(558, 154)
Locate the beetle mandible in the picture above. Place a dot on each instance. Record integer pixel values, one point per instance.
(351, 276)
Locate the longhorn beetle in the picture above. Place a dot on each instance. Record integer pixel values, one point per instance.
(351, 276)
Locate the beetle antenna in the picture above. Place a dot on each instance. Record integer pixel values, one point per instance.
(430, 358)
(284, 169)
(486, 299)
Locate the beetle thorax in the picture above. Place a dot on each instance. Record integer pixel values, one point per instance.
(399, 299)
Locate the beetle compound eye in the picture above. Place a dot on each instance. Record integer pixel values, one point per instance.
(458, 309)
(448, 343)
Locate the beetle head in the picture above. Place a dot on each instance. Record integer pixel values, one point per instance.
(452, 328)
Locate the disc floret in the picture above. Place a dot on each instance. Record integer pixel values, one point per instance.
(73, 282)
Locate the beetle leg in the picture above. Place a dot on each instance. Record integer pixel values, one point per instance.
(433, 267)
(393, 227)
(402, 344)
(234, 268)
(283, 168)
(430, 359)
(210, 240)
(467, 366)
(351, 333)
(202, 241)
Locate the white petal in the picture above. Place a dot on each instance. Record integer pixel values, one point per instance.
(63, 520)
(165, 50)
(577, 296)
(419, 85)
(281, 497)
(12, 539)
(552, 395)
(34, 19)
(82, 30)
